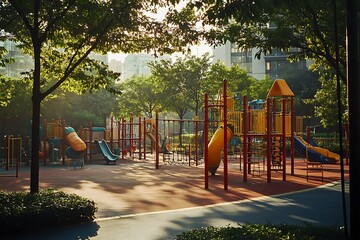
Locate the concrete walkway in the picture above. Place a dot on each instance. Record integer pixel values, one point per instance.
(318, 206)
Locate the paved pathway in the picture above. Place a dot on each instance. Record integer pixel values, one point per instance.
(319, 206)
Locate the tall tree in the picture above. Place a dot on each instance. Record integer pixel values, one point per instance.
(239, 81)
(182, 82)
(140, 96)
(325, 101)
(60, 35)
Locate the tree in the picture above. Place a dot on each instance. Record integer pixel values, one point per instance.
(140, 96)
(79, 110)
(61, 34)
(16, 114)
(6, 85)
(325, 101)
(304, 29)
(182, 82)
(304, 85)
(238, 80)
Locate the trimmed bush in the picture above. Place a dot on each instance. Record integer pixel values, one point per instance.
(264, 232)
(23, 211)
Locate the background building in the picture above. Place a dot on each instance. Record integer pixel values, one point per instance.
(276, 65)
(137, 64)
(21, 63)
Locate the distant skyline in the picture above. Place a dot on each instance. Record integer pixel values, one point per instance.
(197, 50)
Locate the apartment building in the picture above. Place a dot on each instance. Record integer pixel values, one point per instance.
(275, 65)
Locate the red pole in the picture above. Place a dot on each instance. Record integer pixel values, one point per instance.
(118, 134)
(111, 133)
(63, 143)
(347, 143)
(308, 134)
(157, 140)
(144, 138)
(196, 140)
(292, 136)
(245, 144)
(90, 140)
(225, 138)
(27, 144)
(284, 137)
(268, 135)
(123, 136)
(206, 140)
(18, 158)
(44, 140)
(189, 144)
(7, 147)
(139, 145)
(131, 134)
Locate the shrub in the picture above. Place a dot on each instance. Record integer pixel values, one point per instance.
(264, 232)
(23, 211)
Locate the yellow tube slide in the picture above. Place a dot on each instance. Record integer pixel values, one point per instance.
(74, 140)
(215, 148)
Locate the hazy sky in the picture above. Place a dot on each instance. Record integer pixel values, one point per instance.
(195, 50)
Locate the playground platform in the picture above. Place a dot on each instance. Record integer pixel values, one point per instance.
(135, 188)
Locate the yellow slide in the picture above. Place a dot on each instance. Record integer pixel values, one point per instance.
(323, 151)
(215, 148)
(74, 140)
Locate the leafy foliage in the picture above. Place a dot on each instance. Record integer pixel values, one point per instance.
(60, 35)
(326, 102)
(238, 80)
(264, 232)
(140, 96)
(23, 211)
(16, 115)
(181, 82)
(307, 33)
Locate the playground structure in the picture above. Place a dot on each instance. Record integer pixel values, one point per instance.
(263, 127)
(139, 136)
(117, 138)
(263, 131)
(57, 141)
(315, 153)
(257, 133)
(180, 141)
(12, 154)
(77, 148)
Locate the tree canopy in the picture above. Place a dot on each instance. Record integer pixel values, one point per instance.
(60, 35)
(140, 96)
(304, 29)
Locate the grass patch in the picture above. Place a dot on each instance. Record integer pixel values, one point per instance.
(23, 211)
(264, 232)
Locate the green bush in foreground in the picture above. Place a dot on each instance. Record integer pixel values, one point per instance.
(23, 211)
(264, 232)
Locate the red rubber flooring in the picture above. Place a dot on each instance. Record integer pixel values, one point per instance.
(134, 186)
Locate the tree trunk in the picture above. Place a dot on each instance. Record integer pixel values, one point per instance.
(35, 142)
(36, 101)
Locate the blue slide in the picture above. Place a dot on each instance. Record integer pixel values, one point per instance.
(314, 156)
(106, 152)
